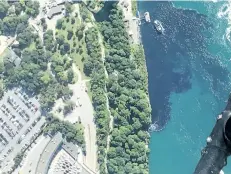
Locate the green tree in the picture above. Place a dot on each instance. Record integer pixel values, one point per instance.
(69, 34)
(72, 20)
(25, 37)
(59, 23)
(48, 97)
(32, 8)
(69, 7)
(1, 90)
(44, 24)
(79, 34)
(18, 8)
(2, 68)
(20, 28)
(46, 78)
(1, 26)
(88, 67)
(10, 24)
(49, 41)
(60, 39)
(70, 75)
(4, 6)
(62, 77)
(17, 160)
(65, 48)
(64, 91)
(69, 106)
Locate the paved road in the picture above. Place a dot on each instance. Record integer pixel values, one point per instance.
(31, 161)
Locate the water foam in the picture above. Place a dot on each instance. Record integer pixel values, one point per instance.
(225, 12)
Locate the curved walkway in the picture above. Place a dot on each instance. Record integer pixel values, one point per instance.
(85, 113)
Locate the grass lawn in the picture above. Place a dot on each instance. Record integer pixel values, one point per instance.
(32, 46)
(75, 42)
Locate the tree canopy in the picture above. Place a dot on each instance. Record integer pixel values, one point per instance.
(72, 132)
(93, 67)
(128, 100)
(4, 6)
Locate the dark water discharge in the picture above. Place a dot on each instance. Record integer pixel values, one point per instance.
(189, 79)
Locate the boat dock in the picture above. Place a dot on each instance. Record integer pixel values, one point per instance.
(131, 21)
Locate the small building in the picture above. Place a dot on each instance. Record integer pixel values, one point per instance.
(59, 2)
(55, 11)
(71, 149)
(17, 61)
(13, 58)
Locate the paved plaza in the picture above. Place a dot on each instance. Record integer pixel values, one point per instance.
(20, 123)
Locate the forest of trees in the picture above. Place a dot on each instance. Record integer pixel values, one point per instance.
(126, 86)
(11, 18)
(93, 66)
(95, 5)
(129, 105)
(42, 71)
(33, 74)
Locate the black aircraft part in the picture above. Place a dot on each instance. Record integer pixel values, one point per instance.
(214, 155)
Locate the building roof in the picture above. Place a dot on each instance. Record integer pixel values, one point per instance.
(13, 58)
(84, 171)
(55, 10)
(48, 154)
(60, 2)
(71, 149)
(65, 164)
(56, 145)
(17, 61)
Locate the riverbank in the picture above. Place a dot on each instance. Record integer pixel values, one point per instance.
(131, 21)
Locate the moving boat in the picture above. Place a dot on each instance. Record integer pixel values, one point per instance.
(159, 26)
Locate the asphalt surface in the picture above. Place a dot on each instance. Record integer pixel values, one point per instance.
(27, 131)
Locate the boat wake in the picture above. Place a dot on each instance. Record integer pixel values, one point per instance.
(225, 12)
(155, 128)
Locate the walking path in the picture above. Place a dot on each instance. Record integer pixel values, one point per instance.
(86, 115)
(100, 40)
(5, 42)
(106, 74)
(107, 102)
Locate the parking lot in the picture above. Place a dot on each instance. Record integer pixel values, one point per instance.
(20, 122)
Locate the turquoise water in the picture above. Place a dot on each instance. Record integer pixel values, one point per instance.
(189, 71)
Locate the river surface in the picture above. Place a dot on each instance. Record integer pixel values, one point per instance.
(189, 68)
